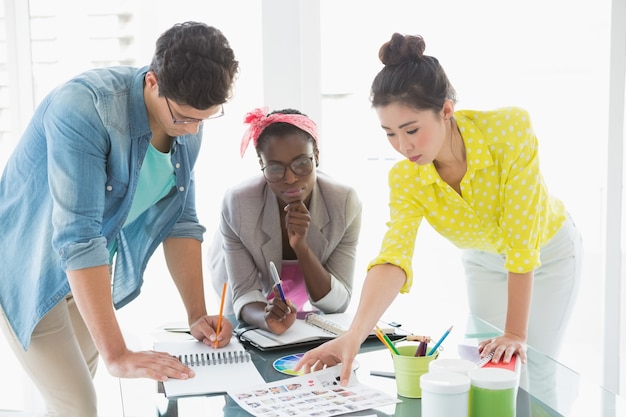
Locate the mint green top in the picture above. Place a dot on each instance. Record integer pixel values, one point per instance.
(156, 179)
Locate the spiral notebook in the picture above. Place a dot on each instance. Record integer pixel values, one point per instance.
(313, 329)
(217, 370)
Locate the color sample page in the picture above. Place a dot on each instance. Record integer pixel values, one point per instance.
(315, 394)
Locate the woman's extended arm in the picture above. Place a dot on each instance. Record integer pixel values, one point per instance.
(520, 288)
(381, 286)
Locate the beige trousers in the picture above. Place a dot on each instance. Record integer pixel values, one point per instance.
(61, 360)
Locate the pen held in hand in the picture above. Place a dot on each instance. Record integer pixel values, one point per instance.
(276, 278)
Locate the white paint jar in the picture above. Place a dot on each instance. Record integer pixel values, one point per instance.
(445, 394)
(460, 366)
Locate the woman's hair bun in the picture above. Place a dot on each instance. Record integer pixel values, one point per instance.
(401, 49)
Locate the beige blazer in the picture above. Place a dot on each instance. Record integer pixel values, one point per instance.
(249, 237)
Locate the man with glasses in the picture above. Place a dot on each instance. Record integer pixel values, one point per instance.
(100, 178)
(293, 215)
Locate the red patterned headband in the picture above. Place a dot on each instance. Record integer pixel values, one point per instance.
(259, 120)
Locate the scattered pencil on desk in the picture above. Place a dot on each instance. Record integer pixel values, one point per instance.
(434, 349)
(385, 374)
(219, 320)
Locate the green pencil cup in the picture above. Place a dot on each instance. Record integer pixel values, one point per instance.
(409, 368)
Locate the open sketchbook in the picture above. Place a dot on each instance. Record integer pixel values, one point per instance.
(217, 370)
(313, 329)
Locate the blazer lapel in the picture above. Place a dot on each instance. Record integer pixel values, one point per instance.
(270, 225)
(320, 218)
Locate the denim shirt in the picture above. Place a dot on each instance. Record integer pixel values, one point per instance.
(68, 187)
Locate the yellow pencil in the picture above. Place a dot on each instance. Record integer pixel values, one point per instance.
(382, 340)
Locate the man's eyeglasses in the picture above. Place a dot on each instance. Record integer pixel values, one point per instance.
(275, 171)
(191, 120)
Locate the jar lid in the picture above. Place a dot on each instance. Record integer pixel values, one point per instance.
(458, 365)
(493, 378)
(444, 382)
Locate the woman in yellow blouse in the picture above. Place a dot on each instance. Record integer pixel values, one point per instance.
(474, 176)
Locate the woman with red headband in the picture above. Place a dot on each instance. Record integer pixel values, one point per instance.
(291, 214)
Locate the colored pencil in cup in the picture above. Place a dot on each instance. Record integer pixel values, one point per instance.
(380, 337)
(386, 340)
(421, 348)
(434, 349)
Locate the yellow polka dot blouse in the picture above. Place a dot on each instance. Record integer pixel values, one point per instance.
(505, 207)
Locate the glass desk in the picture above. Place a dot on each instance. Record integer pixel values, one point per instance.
(550, 390)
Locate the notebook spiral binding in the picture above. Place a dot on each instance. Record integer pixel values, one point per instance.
(484, 360)
(327, 325)
(214, 358)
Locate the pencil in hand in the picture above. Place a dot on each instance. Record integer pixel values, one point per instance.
(219, 320)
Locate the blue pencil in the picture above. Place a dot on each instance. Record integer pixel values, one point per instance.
(274, 273)
(434, 349)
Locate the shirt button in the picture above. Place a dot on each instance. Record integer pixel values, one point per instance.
(109, 188)
(177, 165)
(181, 189)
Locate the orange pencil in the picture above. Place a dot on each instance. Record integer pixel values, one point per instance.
(382, 340)
(386, 341)
(219, 321)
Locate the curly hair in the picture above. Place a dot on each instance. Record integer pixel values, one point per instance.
(194, 65)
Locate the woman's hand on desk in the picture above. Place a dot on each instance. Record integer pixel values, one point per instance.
(343, 350)
(204, 329)
(503, 348)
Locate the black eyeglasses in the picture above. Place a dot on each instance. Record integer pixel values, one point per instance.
(191, 120)
(275, 171)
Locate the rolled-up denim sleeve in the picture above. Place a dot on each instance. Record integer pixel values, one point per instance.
(77, 148)
(188, 225)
